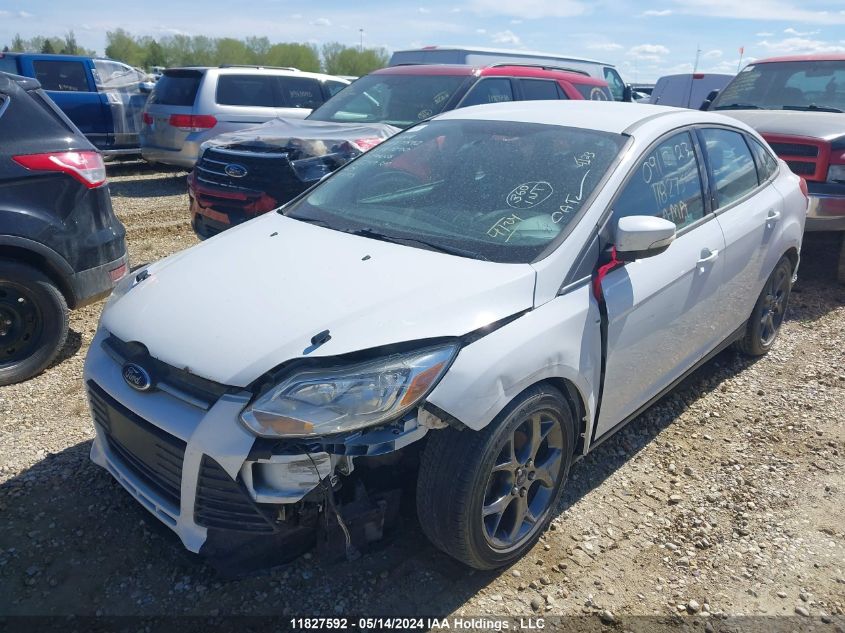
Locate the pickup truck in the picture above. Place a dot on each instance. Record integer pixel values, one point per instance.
(797, 104)
(103, 98)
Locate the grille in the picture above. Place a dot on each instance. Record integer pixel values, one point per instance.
(153, 455)
(801, 168)
(266, 172)
(795, 149)
(224, 503)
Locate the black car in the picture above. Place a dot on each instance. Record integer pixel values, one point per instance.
(61, 245)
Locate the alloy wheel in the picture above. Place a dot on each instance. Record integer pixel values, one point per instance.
(774, 306)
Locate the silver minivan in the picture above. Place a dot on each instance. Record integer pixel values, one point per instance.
(191, 105)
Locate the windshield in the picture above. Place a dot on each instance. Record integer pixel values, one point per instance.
(803, 85)
(399, 100)
(493, 190)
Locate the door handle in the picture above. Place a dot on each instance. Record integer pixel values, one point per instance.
(772, 215)
(708, 255)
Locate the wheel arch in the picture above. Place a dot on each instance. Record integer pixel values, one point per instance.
(43, 259)
(792, 255)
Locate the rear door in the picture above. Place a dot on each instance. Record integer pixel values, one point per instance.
(662, 311)
(70, 84)
(298, 96)
(174, 93)
(748, 208)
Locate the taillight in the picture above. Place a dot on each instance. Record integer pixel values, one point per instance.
(192, 122)
(87, 167)
(148, 118)
(803, 185)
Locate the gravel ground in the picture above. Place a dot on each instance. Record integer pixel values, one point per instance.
(724, 498)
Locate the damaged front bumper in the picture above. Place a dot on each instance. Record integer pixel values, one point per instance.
(197, 469)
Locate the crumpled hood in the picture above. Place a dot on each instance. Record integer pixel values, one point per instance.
(822, 125)
(239, 304)
(310, 138)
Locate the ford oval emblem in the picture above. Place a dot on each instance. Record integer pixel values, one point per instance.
(233, 170)
(137, 377)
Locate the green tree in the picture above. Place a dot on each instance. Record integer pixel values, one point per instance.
(347, 60)
(70, 47)
(155, 55)
(302, 56)
(47, 47)
(120, 45)
(18, 45)
(231, 51)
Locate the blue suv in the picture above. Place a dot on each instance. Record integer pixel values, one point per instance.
(102, 97)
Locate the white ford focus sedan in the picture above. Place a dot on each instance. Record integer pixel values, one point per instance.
(476, 302)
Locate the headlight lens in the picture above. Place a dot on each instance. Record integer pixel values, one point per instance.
(836, 173)
(325, 401)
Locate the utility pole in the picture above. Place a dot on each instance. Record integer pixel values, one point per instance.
(697, 56)
(361, 44)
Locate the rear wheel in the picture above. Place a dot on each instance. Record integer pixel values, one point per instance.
(764, 325)
(485, 497)
(33, 322)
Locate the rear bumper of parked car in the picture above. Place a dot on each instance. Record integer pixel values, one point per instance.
(826, 211)
(185, 157)
(95, 283)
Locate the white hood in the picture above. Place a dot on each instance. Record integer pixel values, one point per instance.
(238, 305)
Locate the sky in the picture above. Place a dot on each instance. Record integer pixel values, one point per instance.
(645, 39)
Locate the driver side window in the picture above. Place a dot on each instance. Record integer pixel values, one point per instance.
(665, 183)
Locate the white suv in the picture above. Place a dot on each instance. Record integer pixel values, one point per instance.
(481, 298)
(191, 105)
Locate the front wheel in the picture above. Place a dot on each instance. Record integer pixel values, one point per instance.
(485, 497)
(764, 325)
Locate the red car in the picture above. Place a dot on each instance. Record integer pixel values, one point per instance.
(249, 172)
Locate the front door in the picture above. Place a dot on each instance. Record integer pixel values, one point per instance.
(662, 311)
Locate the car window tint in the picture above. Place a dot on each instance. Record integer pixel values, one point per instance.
(767, 164)
(665, 183)
(300, 92)
(733, 169)
(335, 87)
(66, 76)
(246, 90)
(176, 88)
(539, 89)
(8, 64)
(594, 93)
(494, 90)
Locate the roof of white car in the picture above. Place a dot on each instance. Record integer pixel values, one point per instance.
(605, 116)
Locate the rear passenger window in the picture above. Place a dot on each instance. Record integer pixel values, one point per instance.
(767, 164)
(495, 90)
(246, 90)
(8, 64)
(733, 169)
(334, 87)
(665, 183)
(300, 92)
(540, 90)
(176, 88)
(65, 76)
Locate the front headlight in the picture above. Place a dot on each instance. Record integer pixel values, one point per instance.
(315, 402)
(836, 173)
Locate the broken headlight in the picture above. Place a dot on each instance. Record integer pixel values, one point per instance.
(315, 402)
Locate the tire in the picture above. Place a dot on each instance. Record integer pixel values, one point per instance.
(763, 326)
(457, 481)
(840, 263)
(33, 322)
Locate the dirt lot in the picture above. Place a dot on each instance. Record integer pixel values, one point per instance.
(726, 497)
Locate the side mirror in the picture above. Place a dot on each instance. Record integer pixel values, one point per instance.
(639, 236)
(705, 105)
(628, 93)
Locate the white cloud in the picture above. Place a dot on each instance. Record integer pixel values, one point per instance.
(516, 21)
(424, 10)
(321, 22)
(764, 34)
(609, 46)
(455, 10)
(800, 46)
(655, 12)
(648, 52)
(756, 10)
(714, 54)
(296, 16)
(481, 31)
(506, 37)
(531, 9)
(15, 14)
(791, 31)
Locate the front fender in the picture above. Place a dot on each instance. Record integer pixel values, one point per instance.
(560, 339)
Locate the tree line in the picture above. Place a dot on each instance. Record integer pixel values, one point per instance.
(144, 51)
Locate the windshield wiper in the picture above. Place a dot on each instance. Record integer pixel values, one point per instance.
(813, 107)
(368, 232)
(737, 106)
